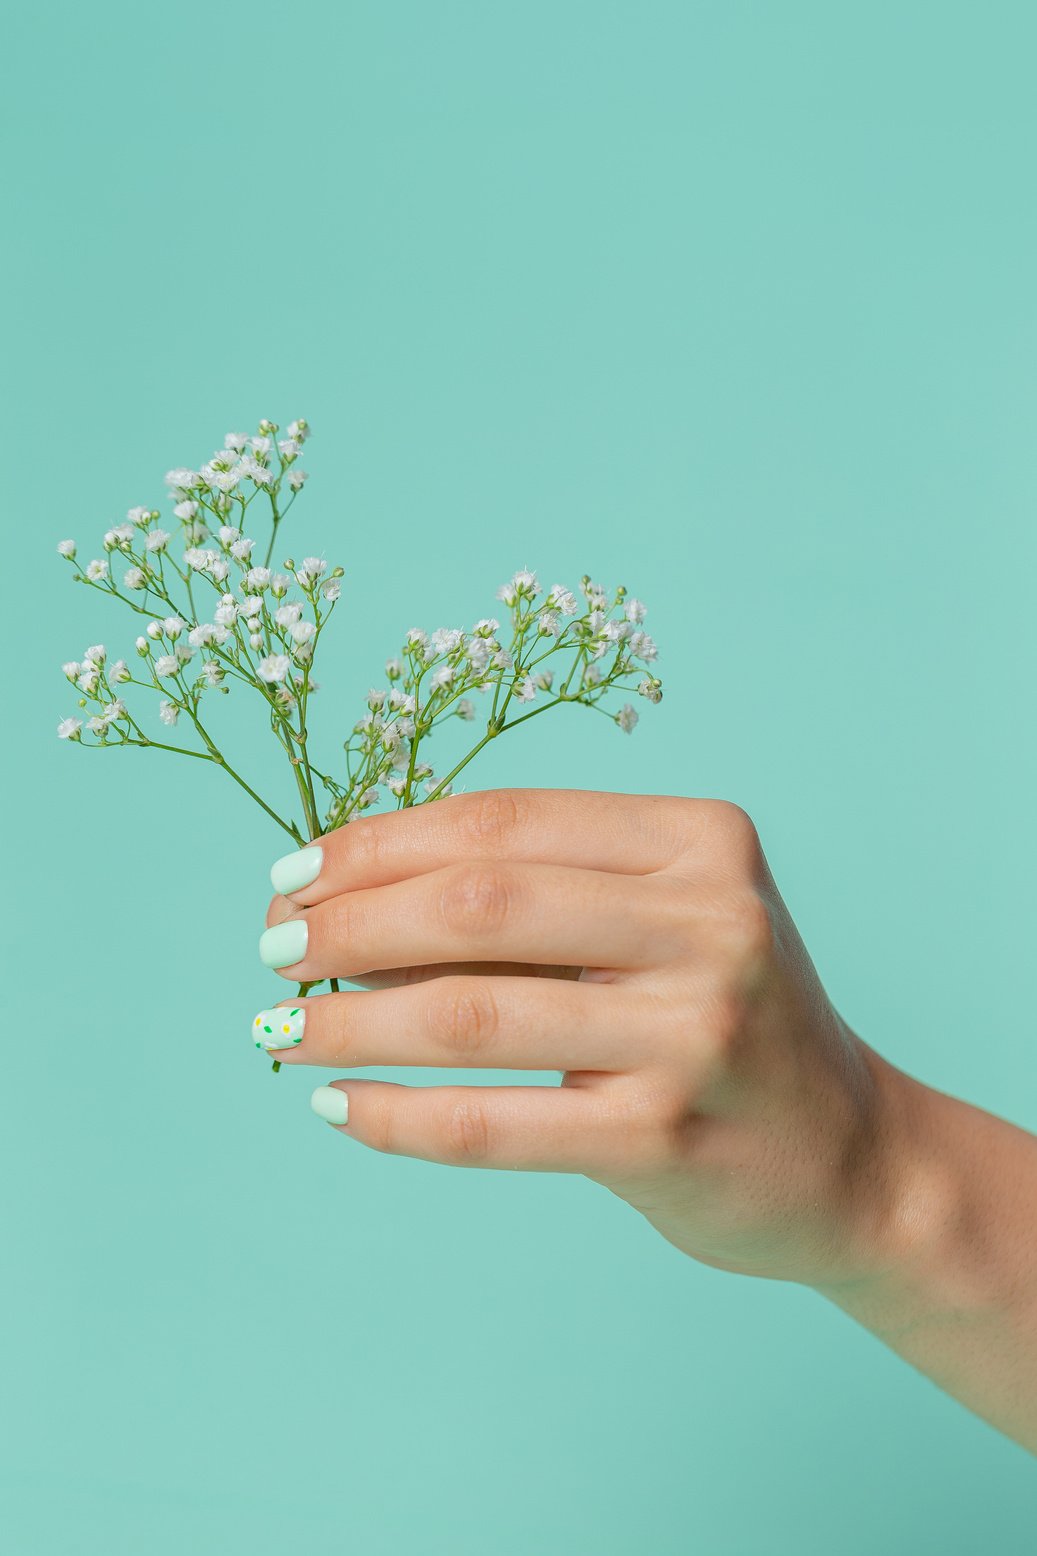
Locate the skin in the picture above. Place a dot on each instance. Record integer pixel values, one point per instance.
(639, 945)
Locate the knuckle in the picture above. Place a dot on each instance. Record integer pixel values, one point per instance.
(490, 820)
(362, 843)
(731, 831)
(379, 1132)
(468, 1132)
(751, 932)
(476, 900)
(464, 1017)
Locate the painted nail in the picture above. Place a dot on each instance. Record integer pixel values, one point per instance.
(297, 870)
(330, 1104)
(284, 944)
(281, 1028)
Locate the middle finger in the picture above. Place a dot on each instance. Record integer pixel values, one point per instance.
(544, 914)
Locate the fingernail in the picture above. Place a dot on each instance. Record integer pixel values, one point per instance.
(330, 1104)
(281, 1028)
(284, 944)
(297, 870)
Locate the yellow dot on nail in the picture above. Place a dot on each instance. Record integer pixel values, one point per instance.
(286, 1029)
(257, 1022)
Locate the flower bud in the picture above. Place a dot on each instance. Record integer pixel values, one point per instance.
(154, 629)
(67, 549)
(143, 647)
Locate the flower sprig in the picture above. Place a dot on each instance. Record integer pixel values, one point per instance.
(215, 616)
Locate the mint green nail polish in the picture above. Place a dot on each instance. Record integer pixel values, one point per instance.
(297, 870)
(330, 1104)
(284, 944)
(280, 1028)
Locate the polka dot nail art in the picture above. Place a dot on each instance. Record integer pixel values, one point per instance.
(281, 1028)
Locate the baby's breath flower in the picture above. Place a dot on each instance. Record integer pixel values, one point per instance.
(446, 639)
(562, 599)
(274, 668)
(432, 679)
(182, 481)
(642, 646)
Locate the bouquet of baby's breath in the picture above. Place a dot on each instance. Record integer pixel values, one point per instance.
(220, 617)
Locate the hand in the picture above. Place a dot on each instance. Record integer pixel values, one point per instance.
(639, 945)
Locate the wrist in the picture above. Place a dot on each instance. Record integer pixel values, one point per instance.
(919, 1237)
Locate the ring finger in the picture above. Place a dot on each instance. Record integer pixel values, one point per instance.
(481, 1022)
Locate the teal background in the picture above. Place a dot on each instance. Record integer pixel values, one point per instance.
(732, 302)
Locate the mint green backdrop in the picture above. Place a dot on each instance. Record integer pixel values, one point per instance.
(732, 302)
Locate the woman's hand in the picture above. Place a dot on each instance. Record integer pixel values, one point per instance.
(639, 945)
(707, 1078)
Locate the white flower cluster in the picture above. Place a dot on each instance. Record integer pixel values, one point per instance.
(602, 644)
(215, 612)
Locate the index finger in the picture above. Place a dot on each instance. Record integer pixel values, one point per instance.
(624, 834)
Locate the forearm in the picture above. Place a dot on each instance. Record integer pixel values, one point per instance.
(951, 1284)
